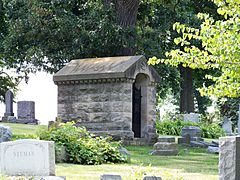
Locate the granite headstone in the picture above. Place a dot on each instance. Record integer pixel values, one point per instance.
(8, 105)
(26, 112)
(229, 158)
(27, 158)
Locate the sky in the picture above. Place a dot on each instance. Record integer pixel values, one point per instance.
(43, 91)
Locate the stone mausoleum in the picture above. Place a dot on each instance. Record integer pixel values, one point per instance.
(114, 96)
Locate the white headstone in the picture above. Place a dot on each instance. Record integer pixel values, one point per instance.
(27, 158)
(192, 117)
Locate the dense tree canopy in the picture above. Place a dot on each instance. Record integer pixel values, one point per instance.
(45, 35)
(6, 81)
(220, 50)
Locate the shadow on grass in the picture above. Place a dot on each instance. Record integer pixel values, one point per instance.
(191, 160)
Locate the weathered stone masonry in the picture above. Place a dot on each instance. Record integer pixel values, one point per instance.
(98, 94)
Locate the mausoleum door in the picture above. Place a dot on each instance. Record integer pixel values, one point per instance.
(136, 121)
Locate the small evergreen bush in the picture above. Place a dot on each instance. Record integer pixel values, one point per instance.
(83, 147)
(168, 127)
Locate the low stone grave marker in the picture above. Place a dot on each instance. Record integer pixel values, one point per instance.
(49, 178)
(165, 146)
(152, 178)
(190, 133)
(110, 177)
(27, 158)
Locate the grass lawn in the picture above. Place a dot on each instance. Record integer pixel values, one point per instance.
(24, 128)
(190, 164)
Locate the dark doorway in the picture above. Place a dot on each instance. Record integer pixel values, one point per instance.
(136, 110)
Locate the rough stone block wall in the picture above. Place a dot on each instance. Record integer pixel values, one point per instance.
(151, 105)
(99, 107)
(229, 158)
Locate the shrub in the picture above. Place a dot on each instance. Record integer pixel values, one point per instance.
(83, 147)
(175, 127)
(24, 136)
(212, 131)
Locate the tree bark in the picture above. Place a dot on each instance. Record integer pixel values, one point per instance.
(187, 90)
(107, 2)
(126, 12)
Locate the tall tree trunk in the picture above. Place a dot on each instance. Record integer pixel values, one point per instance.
(186, 94)
(126, 12)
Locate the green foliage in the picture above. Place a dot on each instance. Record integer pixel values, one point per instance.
(155, 34)
(82, 147)
(175, 127)
(48, 34)
(219, 49)
(168, 127)
(24, 136)
(6, 82)
(229, 108)
(211, 131)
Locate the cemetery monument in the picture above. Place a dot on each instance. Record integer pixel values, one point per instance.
(8, 106)
(114, 96)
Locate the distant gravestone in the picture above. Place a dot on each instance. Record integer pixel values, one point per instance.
(152, 178)
(227, 126)
(165, 146)
(229, 158)
(8, 105)
(190, 133)
(166, 139)
(5, 133)
(192, 117)
(110, 177)
(27, 158)
(26, 112)
(49, 178)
